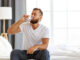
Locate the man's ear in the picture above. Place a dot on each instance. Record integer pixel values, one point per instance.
(40, 18)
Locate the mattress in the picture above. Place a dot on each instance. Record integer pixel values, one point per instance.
(52, 57)
(5, 58)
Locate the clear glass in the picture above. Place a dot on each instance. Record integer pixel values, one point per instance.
(29, 18)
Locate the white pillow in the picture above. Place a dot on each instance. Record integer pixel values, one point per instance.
(5, 47)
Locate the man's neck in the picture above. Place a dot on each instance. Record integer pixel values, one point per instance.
(34, 26)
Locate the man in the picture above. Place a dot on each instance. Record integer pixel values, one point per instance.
(35, 38)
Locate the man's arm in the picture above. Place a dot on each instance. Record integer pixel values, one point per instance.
(15, 27)
(42, 46)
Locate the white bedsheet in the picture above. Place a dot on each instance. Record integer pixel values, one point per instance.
(64, 58)
(62, 50)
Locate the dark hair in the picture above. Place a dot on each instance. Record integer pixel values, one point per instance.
(39, 11)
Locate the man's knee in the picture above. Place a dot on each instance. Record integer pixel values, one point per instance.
(46, 52)
(20, 54)
(15, 52)
(45, 55)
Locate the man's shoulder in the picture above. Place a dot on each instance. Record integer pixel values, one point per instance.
(44, 27)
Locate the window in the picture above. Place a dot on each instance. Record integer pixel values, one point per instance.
(66, 19)
(66, 16)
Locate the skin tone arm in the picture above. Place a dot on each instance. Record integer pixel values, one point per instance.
(42, 46)
(15, 27)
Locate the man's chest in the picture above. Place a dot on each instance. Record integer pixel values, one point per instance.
(36, 34)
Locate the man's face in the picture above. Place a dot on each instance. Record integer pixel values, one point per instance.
(36, 16)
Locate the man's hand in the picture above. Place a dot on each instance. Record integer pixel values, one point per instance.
(23, 18)
(32, 50)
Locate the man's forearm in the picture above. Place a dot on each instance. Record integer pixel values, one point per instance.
(14, 27)
(42, 46)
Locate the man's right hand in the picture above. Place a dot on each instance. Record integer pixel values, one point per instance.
(23, 18)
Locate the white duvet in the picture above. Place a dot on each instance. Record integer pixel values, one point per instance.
(66, 51)
(5, 47)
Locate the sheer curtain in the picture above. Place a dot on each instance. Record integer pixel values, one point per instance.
(66, 16)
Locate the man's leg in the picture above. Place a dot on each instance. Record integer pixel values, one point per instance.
(42, 55)
(18, 55)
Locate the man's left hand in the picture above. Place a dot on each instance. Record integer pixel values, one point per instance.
(32, 50)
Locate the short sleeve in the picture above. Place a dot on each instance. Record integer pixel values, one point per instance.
(23, 26)
(46, 33)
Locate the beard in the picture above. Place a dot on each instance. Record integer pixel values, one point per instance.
(34, 21)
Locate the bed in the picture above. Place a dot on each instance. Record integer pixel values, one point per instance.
(62, 52)
(52, 58)
(58, 52)
(64, 58)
